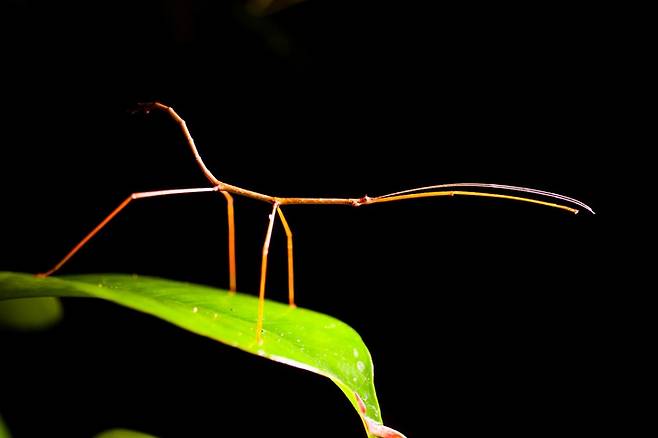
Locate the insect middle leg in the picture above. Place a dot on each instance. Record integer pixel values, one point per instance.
(291, 276)
(263, 273)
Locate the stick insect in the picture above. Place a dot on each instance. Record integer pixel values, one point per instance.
(227, 191)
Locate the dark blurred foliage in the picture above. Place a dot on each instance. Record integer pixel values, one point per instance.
(481, 315)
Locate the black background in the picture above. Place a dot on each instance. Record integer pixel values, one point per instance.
(481, 315)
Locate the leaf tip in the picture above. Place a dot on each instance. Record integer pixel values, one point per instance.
(373, 427)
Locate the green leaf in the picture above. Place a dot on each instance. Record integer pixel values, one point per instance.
(297, 337)
(4, 432)
(30, 313)
(122, 433)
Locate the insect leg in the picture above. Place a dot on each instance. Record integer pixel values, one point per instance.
(231, 241)
(392, 198)
(263, 273)
(116, 211)
(291, 276)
